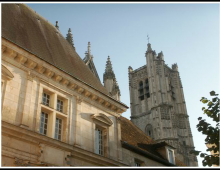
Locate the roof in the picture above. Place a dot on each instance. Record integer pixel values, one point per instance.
(35, 34)
(132, 135)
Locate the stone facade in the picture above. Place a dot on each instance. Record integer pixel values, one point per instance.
(26, 80)
(158, 106)
(55, 112)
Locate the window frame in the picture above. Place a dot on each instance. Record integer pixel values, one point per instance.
(99, 150)
(47, 94)
(173, 156)
(47, 123)
(102, 122)
(59, 129)
(61, 104)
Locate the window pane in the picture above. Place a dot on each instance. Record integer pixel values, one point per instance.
(58, 129)
(171, 156)
(43, 123)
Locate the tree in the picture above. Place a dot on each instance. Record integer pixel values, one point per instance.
(212, 133)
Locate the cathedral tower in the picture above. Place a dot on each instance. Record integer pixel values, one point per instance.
(158, 106)
(110, 82)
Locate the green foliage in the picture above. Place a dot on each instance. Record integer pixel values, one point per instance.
(212, 133)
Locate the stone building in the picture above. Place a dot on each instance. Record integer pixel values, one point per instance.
(55, 111)
(158, 106)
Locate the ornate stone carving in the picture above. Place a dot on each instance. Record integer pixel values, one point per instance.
(65, 82)
(31, 64)
(94, 97)
(41, 69)
(49, 73)
(20, 162)
(4, 48)
(30, 76)
(79, 100)
(87, 94)
(21, 59)
(101, 101)
(72, 86)
(58, 78)
(80, 90)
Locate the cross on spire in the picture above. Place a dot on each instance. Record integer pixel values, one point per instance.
(148, 38)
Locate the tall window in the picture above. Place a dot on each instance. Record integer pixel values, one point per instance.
(141, 91)
(46, 99)
(147, 88)
(98, 142)
(171, 159)
(43, 123)
(58, 129)
(59, 105)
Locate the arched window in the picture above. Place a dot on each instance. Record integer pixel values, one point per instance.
(147, 88)
(141, 90)
(149, 130)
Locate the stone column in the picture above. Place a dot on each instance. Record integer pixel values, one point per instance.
(27, 101)
(72, 117)
(78, 122)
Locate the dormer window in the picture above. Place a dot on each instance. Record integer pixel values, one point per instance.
(138, 162)
(171, 156)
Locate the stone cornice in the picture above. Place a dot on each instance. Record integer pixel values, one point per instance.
(36, 65)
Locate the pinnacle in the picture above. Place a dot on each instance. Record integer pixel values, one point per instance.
(69, 38)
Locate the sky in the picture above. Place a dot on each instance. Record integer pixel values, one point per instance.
(188, 34)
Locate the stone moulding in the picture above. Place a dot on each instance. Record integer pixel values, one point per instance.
(44, 69)
(102, 118)
(38, 139)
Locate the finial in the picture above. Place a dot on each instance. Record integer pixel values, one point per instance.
(89, 50)
(69, 38)
(130, 69)
(57, 26)
(148, 38)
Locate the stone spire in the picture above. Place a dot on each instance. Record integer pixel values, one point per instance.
(160, 56)
(108, 70)
(57, 26)
(89, 50)
(149, 49)
(175, 67)
(88, 60)
(110, 82)
(69, 38)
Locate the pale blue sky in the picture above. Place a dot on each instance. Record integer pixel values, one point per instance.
(188, 34)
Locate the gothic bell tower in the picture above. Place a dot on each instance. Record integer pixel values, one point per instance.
(158, 106)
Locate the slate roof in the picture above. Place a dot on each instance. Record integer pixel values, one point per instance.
(27, 29)
(134, 136)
